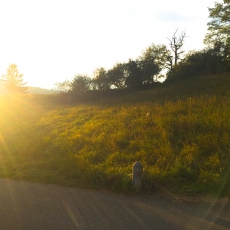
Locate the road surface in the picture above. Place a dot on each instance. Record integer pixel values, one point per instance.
(35, 206)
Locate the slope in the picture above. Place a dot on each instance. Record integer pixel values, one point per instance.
(179, 132)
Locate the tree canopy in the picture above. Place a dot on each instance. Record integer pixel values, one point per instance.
(81, 83)
(116, 76)
(152, 61)
(13, 81)
(101, 80)
(219, 26)
(134, 77)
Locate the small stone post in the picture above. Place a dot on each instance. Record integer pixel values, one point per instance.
(137, 174)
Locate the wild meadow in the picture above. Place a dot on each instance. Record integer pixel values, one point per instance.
(179, 132)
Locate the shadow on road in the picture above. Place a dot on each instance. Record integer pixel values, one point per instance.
(37, 206)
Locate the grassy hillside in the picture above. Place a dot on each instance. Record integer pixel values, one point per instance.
(180, 132)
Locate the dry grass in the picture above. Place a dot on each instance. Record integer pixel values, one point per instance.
(179, 132)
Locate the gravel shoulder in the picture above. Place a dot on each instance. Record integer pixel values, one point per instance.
(34, 206)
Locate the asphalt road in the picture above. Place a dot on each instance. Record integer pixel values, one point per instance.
(37, 206)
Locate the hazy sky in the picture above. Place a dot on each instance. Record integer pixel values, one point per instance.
(53, 40)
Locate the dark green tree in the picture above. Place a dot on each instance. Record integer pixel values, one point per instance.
(152, 61)
(134, 75)
(13, 81)
(205, 61)
(81, 83)
(219, 25)
(101, 80)
(218, 36)
(116, 76)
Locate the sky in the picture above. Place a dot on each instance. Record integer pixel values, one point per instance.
(53, 40)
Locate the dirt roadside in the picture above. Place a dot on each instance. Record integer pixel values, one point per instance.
(35, 206)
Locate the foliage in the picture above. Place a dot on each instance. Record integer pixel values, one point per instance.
(116, 76)
(63, 87)
(134, 76)
(152, 61)
(144, 71)
(206, 61)
(219, 26)
(81, 84)
(13, 80)
(101, 80)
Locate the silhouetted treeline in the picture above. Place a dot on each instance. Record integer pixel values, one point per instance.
(207, 61)
(133, 75)
(147, 69)
(143, 73)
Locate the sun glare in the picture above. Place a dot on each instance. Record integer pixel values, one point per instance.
(53, 42)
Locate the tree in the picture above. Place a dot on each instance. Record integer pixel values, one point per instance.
(134, 75)
(13, 81)
(176, 44)
(219, 26)
(101, 79)
(63, 87)
(205, 61)
(152, 61)
(81, 83)
(219, 30)
(116, 76)
(148, 70)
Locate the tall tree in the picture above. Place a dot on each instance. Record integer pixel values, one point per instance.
(176, 43)
(218, 36)
(101, 79)
(13, 81)
(116, 76)
(219, 26)
(152, 61)
(81, 83)
(134, 75)
(201, 62)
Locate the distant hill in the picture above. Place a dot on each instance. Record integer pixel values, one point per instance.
(38, 90)
(32, 90)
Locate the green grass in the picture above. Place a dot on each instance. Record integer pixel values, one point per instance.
(180, 132)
